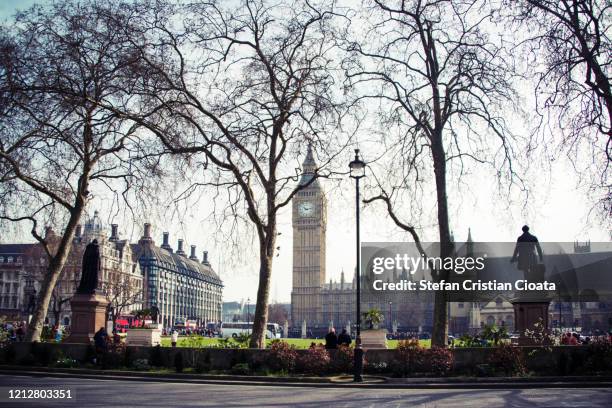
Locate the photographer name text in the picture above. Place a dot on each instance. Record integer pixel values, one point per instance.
(467, 285)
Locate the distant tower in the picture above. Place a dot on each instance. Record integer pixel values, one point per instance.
(582, 248)
(309, 218)
(94, 229)
(469, 244)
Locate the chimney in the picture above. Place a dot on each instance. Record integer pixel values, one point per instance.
(193, 253)
(205, 258)
(166, 244)
(114, 235)
(179, 250)
(146, 236)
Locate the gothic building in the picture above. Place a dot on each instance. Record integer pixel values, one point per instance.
(319, 303)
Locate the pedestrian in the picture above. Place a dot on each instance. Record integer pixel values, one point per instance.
(331, 340)
(344, 338)
(20, 333)
(174, 338)
(101, 344)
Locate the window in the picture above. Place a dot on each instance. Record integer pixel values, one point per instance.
(460, 305)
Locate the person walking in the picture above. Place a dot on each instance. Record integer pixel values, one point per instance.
(331, 340)
(174, 338)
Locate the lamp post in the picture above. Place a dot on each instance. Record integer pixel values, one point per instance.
(357, 168)
(248, 315)
(390, 317)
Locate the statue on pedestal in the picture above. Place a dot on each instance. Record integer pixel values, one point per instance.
(525, 252)
(91, 269)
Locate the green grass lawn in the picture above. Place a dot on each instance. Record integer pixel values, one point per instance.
(199, 341)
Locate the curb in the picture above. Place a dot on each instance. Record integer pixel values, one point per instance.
(323, 382)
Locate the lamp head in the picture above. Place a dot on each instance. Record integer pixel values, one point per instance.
(357, 166)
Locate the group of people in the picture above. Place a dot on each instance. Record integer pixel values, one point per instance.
(332, 340)
(14, 331)
(574, 339)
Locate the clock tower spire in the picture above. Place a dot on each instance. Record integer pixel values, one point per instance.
(309, 219)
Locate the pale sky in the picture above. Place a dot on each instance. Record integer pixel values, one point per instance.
(557, 211)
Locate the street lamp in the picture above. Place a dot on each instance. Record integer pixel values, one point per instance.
(248, 317)
(390, 318)
(357, 167)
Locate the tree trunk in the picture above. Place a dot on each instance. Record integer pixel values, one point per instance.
(440, 314)
(56, 265)
(258, 337)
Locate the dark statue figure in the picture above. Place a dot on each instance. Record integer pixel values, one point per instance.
(525, 252)
(91, 269)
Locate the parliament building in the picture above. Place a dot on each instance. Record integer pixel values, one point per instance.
(318, 302)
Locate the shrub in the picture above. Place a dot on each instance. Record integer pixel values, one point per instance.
(599, 356)
(409, 358)
(66, 362)
(116, 356)
(240, 369)
(141, 364)
(27, 360)
(155, 356)
(343, 360)
(203, 363)
(282, 356)
(8, 353)
(178, 362)
(509, 359)
(314, 361)
(377, 367)
(439, 361)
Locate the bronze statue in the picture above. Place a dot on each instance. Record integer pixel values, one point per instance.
(525, 252)
(91, 269)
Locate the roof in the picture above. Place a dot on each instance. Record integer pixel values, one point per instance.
(15, 249)
(179, 263)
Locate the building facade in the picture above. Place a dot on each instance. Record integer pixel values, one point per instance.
(318, 303)
(179, 285)
(22, 267)
(132, 277)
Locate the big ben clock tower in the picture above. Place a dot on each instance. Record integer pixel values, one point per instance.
(309, 225)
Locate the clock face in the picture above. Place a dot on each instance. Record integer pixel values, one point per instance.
(306, 209)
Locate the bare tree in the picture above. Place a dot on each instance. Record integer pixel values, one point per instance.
(277, 313)
(439, 79)
(571, 51)
(57, 148)
(122, 291)
(242, 92)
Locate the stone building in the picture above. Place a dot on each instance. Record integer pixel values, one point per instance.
(320, 303)
(22, 267)
(181, 286)
(133, 276)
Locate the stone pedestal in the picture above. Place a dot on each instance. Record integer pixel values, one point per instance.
(88, 316)
(144, 337)
(374, 339)
(526, 315)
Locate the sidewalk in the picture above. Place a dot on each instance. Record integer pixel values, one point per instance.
(336, 382)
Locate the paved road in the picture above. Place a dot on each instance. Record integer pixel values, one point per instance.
(114, 394)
